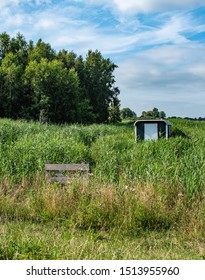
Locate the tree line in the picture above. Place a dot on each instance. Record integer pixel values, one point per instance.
(38, 83)
(127, 113)
(154, 113)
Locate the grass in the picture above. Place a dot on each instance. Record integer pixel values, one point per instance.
(100, 222)
(52, 241)
(144, 201)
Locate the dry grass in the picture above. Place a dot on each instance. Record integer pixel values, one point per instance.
(39, 196)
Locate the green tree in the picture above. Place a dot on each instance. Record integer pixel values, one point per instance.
(13, 60)
(114, 111)
(41, 50)
(19, 47)
(36, 83)
(68, 58)
(144, 114)
(155, 113)
(149, 114)
(11, 86)
(55, 91)
(127, 113)
(4, 45)
(162, 115)
(99, 84)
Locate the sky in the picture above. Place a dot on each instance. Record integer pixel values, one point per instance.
(158, 45)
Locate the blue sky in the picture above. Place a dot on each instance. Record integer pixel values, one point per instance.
(158, 45)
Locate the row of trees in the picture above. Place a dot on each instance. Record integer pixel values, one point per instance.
(155, 113)
(40, 84)
(127, 113)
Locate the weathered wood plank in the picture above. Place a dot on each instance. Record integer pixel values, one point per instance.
(67, 167)
(54, 174)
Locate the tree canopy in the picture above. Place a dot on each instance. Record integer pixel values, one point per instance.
(155, 113)
(39, 83)
(127, 113)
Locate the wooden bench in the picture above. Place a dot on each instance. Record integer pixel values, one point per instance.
(54, 172)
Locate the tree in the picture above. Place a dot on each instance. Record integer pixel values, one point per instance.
(19, 47)
(4, 45)
(144, 113)
(54, 90)
(162, 115)
(56, 95)
(41, 50)
(11, 86)
(99, 84)
(114, 111)
(154, 113)
(127, 113)
(36, 83)
(68, 58)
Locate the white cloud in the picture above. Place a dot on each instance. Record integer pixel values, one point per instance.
(39, 2)
(4, 3)
(63, 26)
(141, 6)
(172, 30)
(198, 70)
(45, 23)
(158, 62)
(162, 77)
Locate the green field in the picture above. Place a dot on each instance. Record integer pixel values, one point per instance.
(142, 201)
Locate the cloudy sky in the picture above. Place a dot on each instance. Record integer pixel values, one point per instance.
(158, 45)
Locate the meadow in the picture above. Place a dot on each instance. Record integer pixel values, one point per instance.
(142, 201)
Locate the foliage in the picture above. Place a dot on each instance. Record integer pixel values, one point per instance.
(36, 83)
(154, 114)
(114, 111)
(127, 113)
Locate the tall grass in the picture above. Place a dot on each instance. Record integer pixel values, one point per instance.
(26, 147)
(113, 156)
(178, 161)
(151, 186)
(131, 210)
